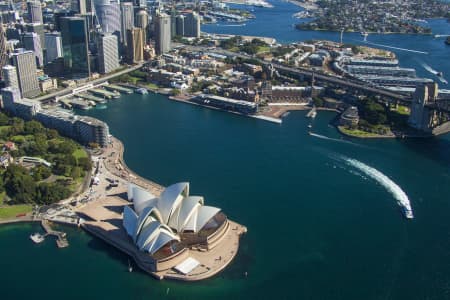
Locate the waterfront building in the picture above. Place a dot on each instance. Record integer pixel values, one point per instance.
(350, 117)
(75, 45)
(32, 42)
(25, 63)
(162, 34)
(34, 9)
(225, 103)
(79, 6)
(53, 43)
(108, 14)
(108, 53)
(10, 77)
(381, 71)
(20, 107)
(135, 45)
(142, 22)
(127, 20)
(192, 25)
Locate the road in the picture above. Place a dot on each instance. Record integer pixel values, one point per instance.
(95, 81)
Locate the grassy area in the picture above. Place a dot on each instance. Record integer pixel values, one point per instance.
(5, 127)
(403, 110)
(152, 86)
(79, 153)
(357, 132)
(7, 212)
(263, 49)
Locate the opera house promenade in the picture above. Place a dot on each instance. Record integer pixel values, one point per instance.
(168, 233)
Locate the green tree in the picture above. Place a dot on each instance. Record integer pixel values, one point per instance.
(85, 163)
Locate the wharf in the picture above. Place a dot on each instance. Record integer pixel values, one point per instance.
(117, 88)
(61, 240)
(103, 93)
(92, 98)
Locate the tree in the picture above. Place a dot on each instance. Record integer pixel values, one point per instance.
(318, 102)
(33, 127)
(52, 134)
(4, 120)
(85, 163)
(76, 172)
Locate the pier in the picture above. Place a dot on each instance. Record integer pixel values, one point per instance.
(61, 240)
(92, 98)
(103, 93)
(117, 88)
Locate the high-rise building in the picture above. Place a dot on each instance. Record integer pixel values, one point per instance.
(32, 42)
(54, 46)
(3, 47)
(108, 14)
(74, 37)
(127, 21)
(108, 53)
(25, 63)
(180, 25)
(34, 9)
(192, 25)
(142, 22)
(140, 3)
(135, 45)
(10, 96)
(79, 6)
(10, 76)
(162, 33)
(38, 29)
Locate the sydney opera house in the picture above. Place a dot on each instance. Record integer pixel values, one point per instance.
(177, 234)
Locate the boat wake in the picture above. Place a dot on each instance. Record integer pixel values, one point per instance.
(323, 137)
(434, 72)
(395, 190)
(231, 25)
(396, 48)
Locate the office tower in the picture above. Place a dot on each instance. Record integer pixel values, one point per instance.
(173, 22)
(10, 76)
(135, 45)
(108, 53)
(39, 29)
(140, 3)
(54, 46)
(192, 25)
(108, 14)
(61, 14)
(75, 45)
(10, 96)
(142, 22)
(180, 25)
(3, 47)
(25, 63)
(127, 21)
(35, 11)
(79, 6)
(162, 33)
(32, 42)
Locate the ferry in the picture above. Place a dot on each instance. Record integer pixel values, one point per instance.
(364, 33)
(37, 238)
(439, 74)
(141, 91)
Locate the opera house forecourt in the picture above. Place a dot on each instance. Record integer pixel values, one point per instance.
(173, 235)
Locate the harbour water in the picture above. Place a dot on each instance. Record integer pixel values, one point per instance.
(318, 227)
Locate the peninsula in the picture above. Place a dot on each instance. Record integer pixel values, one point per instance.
(375, 16)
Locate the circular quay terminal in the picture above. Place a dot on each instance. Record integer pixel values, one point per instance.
(173, 235)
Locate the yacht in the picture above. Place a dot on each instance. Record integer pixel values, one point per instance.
(141, 91)
(408, 212)
(37, 238)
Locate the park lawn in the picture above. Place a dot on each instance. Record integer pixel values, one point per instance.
(403, 110)
(5, 127)
(11, 211)
(357, 132)
(79, 153)
(263, 49)
(152, 86)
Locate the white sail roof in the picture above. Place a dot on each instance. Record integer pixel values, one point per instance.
(171, 197)
(129, 220)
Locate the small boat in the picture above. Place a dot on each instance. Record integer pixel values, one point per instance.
(309, 126)
(37, 238)
(141, 91)
(130, 268)
(408, 212)
(364, 33)
(439, 74)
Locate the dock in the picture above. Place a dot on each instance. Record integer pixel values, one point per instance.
(92, 98)
(103, 93)
(312, 113)
(61, 239)
(117, 88)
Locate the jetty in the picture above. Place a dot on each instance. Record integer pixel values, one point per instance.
(92, 98)
(312, 113)
(105, 94)
(117, 88)
(61, 237)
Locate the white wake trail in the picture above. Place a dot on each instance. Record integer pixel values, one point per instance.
(386, 182)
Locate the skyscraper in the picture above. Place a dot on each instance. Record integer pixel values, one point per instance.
(127, 21)
(108, 53)
(135, 45)
(140, 3)
(162, 33)
(54, 46)
(10, 76)
(192, 25)
(180, 25)
(75, 45)
(34, 9)
(25, 63)
(108, 14)
(142, 22)
(32, 42)
(79, 6)
(3, 52)
(9, 97)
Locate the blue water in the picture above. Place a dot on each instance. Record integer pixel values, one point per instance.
(278, 22)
